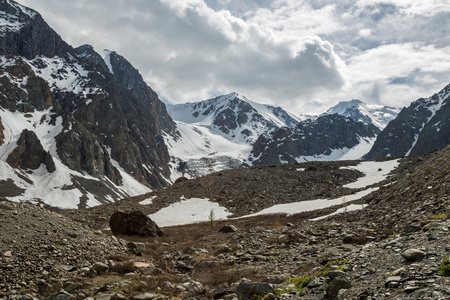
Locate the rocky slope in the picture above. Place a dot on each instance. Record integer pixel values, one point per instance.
(420, 128)
(384, 251)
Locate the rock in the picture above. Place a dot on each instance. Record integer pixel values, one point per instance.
(248, 290)
(62, 296)
(411, 289)
(29, 153)
(431, 226)
(413, 254)
(100, 267)
(228, 229)
(46, 289)
(336, 285)
(392, 282)
(276, 279)
(145, 296)
(335, 273)
(133, 223)
(194, 287)
(410, 228)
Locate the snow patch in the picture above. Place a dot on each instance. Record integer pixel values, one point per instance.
(374, 172)
(189, 211)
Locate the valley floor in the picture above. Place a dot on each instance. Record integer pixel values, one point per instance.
(353, 255)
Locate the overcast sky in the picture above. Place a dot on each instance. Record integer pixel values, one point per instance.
(302, 55)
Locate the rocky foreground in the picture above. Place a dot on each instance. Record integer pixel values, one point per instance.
(396, 248)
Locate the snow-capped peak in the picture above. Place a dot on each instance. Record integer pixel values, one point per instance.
(359, 111)
(233, 116)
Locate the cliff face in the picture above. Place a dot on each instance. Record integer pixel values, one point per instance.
(104, 114)
(418, 129)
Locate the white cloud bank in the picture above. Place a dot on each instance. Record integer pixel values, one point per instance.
(303, 55)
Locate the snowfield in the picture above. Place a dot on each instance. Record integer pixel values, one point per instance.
(195, 210)
(40, 186)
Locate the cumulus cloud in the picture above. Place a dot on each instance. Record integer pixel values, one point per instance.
(304, 55)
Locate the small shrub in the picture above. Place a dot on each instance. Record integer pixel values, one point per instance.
(300, 282)
(212, 218)
(445, 267)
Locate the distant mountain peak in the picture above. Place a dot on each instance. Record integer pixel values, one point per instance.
(359, 111)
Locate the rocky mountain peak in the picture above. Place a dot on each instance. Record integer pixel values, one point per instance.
(26, 34)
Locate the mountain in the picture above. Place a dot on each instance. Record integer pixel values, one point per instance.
(359, 111)
(218, 133)
(329, 137)
(78, 128)
(420, 128)
(230, 131)
(233, 116)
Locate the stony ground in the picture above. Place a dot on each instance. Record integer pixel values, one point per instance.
(393, 249)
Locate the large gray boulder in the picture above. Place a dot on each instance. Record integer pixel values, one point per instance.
(132, 224)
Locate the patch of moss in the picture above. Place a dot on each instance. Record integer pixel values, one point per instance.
(445, 267)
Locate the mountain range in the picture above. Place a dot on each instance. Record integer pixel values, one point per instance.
(80, 128)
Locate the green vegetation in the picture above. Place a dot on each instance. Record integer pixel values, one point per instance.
(301, 283)
(442, 216)
(445, 267)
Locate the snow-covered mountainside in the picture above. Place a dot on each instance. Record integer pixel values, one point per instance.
(75, 130)
(359, 111)
(422, 127)
(231, 130)
(233, 116)
(218, 133)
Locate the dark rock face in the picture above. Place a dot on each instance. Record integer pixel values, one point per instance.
(309, 138)
(2, 135)
(422, 127)
(81, 151)
(30, 154)
(34, 95)
(34, 38)
(133, 223)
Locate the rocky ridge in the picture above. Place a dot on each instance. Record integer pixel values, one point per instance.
(419, 128)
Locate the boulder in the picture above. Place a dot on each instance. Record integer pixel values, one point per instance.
(253, 290)
(413, 254)
(337, 284)
(228, 229)
(134, 223)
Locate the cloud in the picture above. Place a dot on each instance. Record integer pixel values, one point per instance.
(304, 55)
(188, 51)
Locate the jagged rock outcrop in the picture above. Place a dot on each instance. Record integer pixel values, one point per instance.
(310, 138)
(133, 223)
(29, 153)
(81, 151)
(422, 127)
